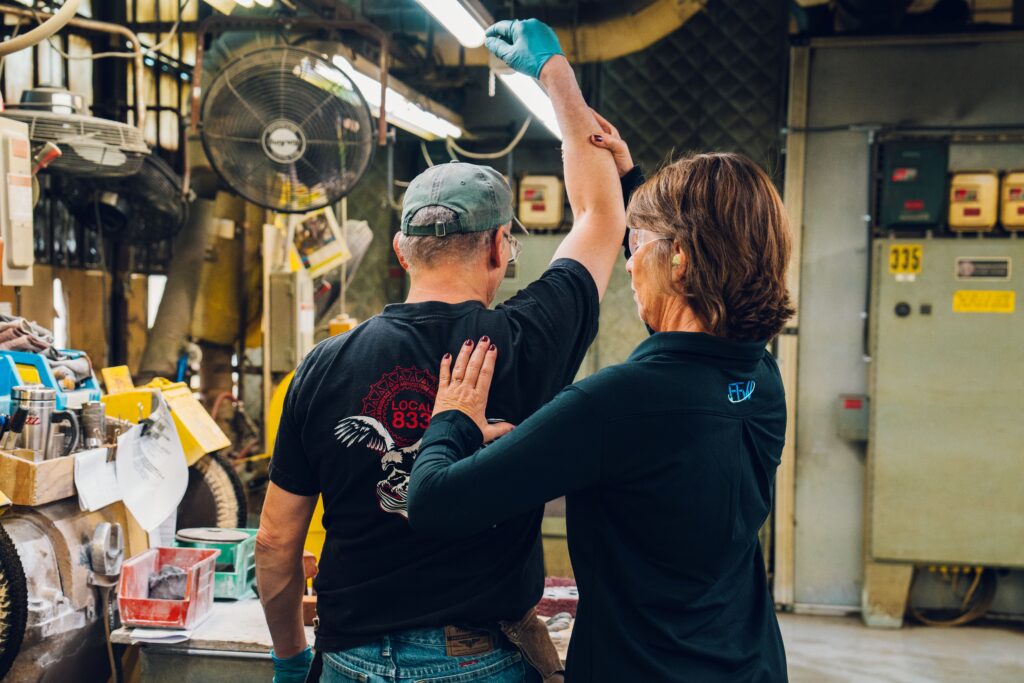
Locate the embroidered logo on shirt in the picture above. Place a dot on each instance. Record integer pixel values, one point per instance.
(740, 391)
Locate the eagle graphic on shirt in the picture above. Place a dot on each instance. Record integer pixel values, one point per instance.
(393, 490)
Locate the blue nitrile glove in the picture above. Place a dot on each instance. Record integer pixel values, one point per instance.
(524, 45)
(293, 669)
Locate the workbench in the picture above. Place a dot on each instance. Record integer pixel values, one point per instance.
(231, 646)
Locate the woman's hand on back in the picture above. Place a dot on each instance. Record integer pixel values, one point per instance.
(465, 386)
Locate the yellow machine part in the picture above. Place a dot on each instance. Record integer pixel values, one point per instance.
(28, 374)
(197, 430)
(316, 534)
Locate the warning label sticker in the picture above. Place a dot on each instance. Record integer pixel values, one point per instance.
(984, 301)
(990, 268)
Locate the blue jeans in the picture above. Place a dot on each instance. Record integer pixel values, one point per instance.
(421, 655)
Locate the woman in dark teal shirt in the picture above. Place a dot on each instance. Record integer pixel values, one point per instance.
(668, 460)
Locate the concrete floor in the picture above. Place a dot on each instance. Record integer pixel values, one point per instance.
(842, 650)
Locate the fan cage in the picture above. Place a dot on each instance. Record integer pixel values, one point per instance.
(89, 145)
(241, 157)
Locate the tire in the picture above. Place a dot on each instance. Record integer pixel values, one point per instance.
(13, 603)
(214, 497)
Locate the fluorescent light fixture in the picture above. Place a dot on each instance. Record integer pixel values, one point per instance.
(533, 96)
(265, 3)
(466, 20)
(454, 16)
(399, 109)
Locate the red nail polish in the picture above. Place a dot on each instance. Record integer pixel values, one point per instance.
(469, 342)
(447, 356)
(484, 340)
(599, 138)
(493, 347)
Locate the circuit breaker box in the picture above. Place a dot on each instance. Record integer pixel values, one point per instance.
(945, 466)
(973, 201)
(1013, 200)
(913, 184)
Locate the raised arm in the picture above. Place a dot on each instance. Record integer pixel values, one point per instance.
(591, 180)
(555, 452)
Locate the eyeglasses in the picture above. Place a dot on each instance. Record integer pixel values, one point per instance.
(638, 238)
(514, 248)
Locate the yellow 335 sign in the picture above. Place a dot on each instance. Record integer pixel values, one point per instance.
(905, 259)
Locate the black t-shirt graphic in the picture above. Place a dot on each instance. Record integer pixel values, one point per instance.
(350, 430)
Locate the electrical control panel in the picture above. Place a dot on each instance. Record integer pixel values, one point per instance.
(16, 203)
(1013, 200)
(912, 184)
(541, 201)
(944, 468)
(973, 201)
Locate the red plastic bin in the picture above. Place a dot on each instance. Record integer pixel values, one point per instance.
(137, 609)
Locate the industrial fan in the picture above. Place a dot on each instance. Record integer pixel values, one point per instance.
(90, 146)
(143, 208)
(286, 129)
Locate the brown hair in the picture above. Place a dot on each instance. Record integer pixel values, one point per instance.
(724, 213)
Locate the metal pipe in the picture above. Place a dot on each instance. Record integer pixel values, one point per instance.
(224, 24)
(104, 27)
(45, 29)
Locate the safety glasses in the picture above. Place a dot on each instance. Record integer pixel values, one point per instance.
(514, 248)
(638, 238)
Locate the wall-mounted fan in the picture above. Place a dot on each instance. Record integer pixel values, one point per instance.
(286, 129)
(143, 208)
(89, 145)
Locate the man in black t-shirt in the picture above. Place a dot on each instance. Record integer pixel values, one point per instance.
(390, 601)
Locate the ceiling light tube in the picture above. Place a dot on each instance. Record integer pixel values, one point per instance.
(403, 107)
(457, 20)
(534, 98)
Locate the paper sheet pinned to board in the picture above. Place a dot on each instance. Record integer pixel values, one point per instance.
(151, 470)
(95, 480)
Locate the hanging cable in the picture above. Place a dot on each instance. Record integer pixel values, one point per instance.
(147, 52)
(426, 154)
(453, 147)
(43, 31)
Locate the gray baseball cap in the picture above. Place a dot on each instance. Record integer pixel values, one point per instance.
(479, 196)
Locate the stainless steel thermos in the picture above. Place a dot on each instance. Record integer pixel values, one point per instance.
(34, 408)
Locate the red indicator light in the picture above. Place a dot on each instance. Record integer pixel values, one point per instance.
(913, 205)
(537, 206)
(959, 195)
(1020, 210)
(972, 211)
(1016, 193)
(529, 194)
(853, 404)
(902, 175)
